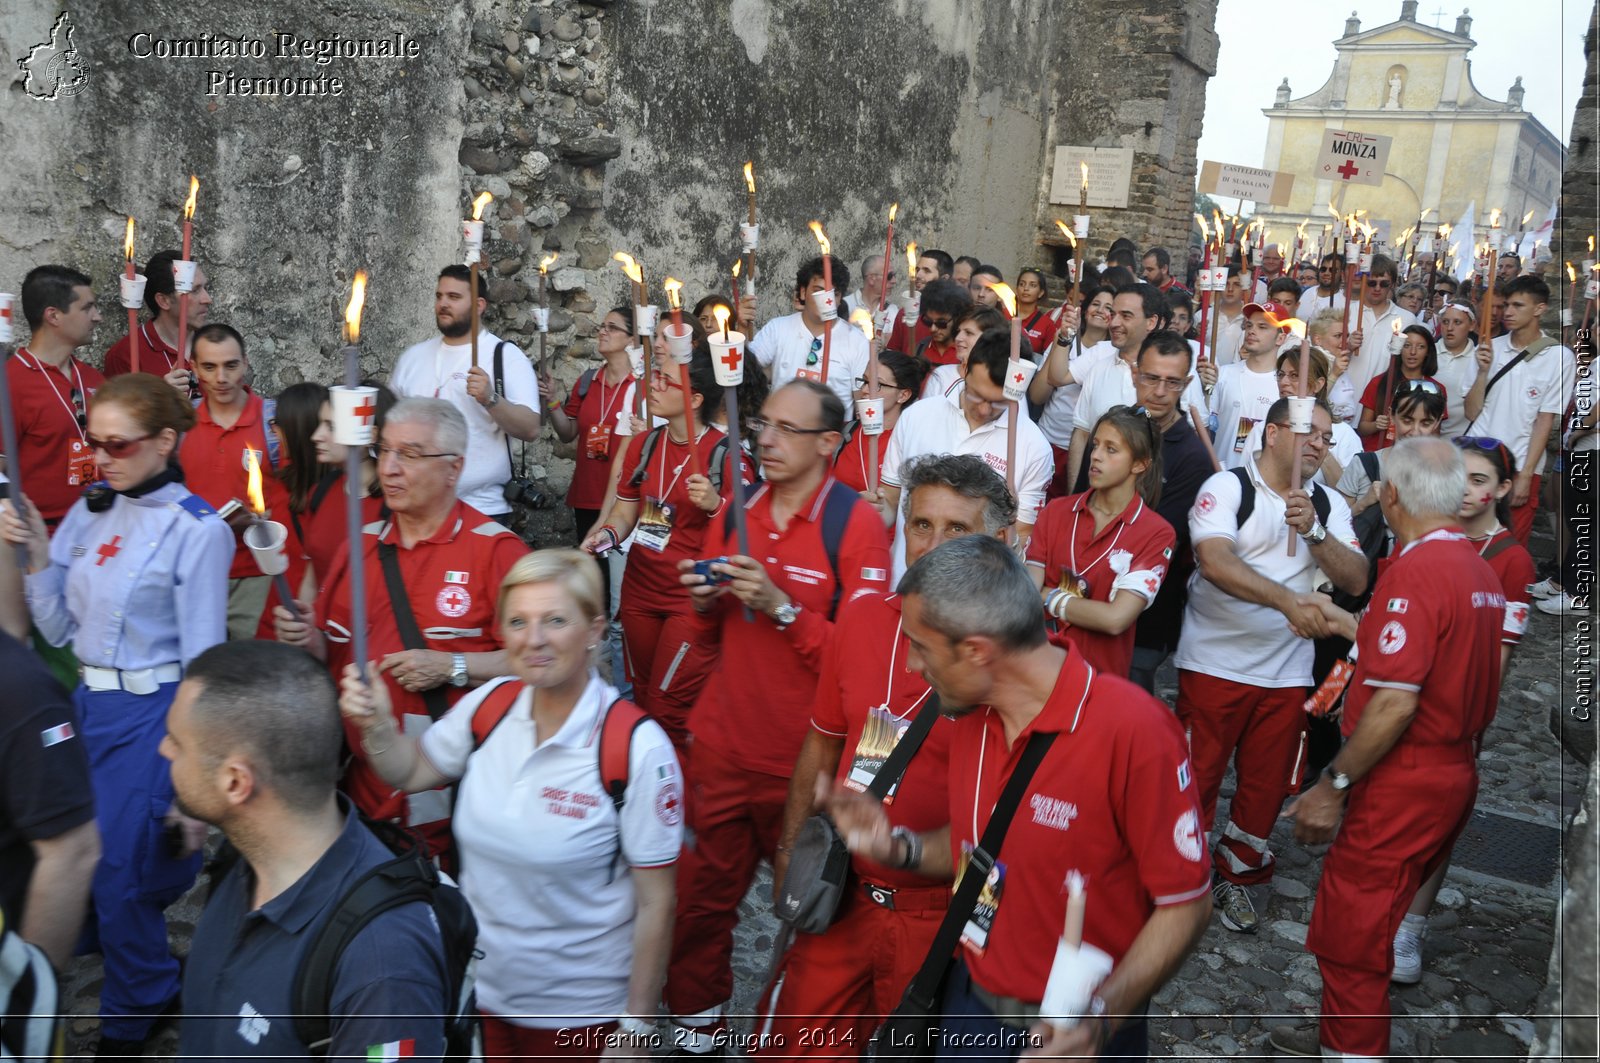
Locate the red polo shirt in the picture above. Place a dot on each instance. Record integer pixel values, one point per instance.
(755, 709)
(1513, 567)
(897, 336)
(54, 457)
(1433, 628)
(850, 466)
(155, 356)
(1130, 555)
(864, 674)
(452, 582)
(1112, 800)
(216, 469)
(1040, 328)
(599, 407)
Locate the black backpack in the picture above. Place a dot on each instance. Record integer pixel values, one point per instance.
(715, 465)
(1370, 529)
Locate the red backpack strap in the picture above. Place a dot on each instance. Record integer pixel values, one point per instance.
(616, 740)
(492, 709)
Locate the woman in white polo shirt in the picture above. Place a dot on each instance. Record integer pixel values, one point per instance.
(573, 890)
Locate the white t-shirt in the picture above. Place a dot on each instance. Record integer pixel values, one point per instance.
(784, 347)
(938, 426)
(1541, 384)
(1344, 402)
(1377, 333)
(540, 842)
(1313, 303)
(1057, 420)
(1228, 637)
(944, 380)
(1240, 400)
(434, 369)
(1230, 337)
(1110, 383)
(1457, 372)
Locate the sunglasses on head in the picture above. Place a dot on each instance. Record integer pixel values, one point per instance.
(1489, 445)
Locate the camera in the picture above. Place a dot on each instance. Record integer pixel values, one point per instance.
(714, 579)
(523, 492)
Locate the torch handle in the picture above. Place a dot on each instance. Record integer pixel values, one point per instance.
(280, 583)
(1205, 438)
(730, 407)
(1012, 408)
(358, 567)
(8, 440)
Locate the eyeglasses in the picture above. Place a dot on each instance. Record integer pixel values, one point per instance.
(609, 327)
(883, 385)
(406, 455)
(1160, 384)
(1379, 284)
(758, 425)
(665, 379)
(116, 448)
(77, 408)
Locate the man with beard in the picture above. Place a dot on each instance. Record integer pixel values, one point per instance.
(499, 396)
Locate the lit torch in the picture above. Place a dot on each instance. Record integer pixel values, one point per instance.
(183, 274)
(826, 301)
(1077, 251)
(265, 538)
(1008, 299)
(542, 312)
(474, 239)
(751, 234)
(353, 428)
(635, 273)
(131, 287)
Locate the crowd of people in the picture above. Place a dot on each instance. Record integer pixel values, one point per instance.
(603, 740)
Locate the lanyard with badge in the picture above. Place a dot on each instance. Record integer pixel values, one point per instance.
(654, 529)
(597, 437)
(81, 471)
(882, 732)
(1075, 580)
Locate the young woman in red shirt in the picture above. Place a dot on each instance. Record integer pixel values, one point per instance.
(899, 383)
(1417, 361)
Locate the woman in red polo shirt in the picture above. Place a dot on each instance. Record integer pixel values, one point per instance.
(899, 383)
(1098, 558)
(1418, 360)
(1038, 324)
(321, 515)
(589, 415)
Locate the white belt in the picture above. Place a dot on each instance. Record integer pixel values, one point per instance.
(133, 680)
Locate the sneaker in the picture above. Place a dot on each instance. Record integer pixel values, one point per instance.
(1562, 605)
(1407, 956)
(1545, 588)
(1233, 901)
(1304, 1039)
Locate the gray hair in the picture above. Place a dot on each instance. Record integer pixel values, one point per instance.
(968, 476)
(1428, 475)
(448, 424)
(975, 585)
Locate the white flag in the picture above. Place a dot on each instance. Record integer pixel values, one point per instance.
(1465, 241)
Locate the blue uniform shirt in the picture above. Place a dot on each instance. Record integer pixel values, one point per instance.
(388, 992)
(142, 584)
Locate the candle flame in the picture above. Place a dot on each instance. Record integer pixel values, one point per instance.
(1335, 214)
(194, 192)
(1425, 212)
(911, 260)
(1296, 327)
(1084, 168)
(1572, 274)
(1595, 268)
(894, 208)
(1072, 241)
(352, 312)
(547, 261)
(721, 313)
(1216, 215)
(1494, 218)
(1407, 234)
(822, 237)
(1300, 230)
(1527, 218)
(1199, 219)
(750, 177)
(127, 241)
(736, 264)
(253, 483)
(1007, 297)
(671, 286)
(1444, 230)
(1396, 327)
(630, 267)
(1591, 244)
(861, 318)
(483, 200)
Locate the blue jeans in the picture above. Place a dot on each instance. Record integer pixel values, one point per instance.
(969, 1029)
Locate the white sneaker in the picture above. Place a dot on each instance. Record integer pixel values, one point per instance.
(1407, 956)
(1562, 605)
(1545, 588)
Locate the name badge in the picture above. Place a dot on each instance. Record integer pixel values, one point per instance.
(654, 529)
(879, 736)
(975, 935)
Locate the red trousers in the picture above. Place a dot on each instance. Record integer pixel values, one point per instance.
(1262, 731)
(735, 816)
(667, 665)
(504, 1041)
(1522, 516)
(1401, 823)
(834, 988)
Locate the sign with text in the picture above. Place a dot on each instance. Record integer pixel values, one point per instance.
(1261, 187)
(1110, 171)
(1353, 158)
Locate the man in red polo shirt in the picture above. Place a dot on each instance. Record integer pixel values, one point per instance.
(843, 981)
(50, 390)
(451, 560)
(932, 265)
(1425, 689)
(817, 545)
(230, 431)
(1112, 800)
(158, 337)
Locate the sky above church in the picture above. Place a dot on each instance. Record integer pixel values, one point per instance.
(1539, 40)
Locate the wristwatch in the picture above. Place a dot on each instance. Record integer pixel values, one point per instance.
(1337, 779)
(1316, 534)
(458, 669)
(786, 614)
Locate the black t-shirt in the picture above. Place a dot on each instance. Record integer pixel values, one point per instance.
(1184, 467)
(44, 768)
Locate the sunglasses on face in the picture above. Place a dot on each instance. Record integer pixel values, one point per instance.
(116, 448)
(936, 322)
(1381, 285)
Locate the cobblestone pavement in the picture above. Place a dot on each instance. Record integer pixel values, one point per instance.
(1485, 960)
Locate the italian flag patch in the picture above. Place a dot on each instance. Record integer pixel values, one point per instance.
(392, 1050)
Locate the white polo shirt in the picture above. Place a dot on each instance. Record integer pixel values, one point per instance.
(1228, 637)
(1540, 384)
(434, 369)
(1058, 418)
(784, 347)
(545, 861)
(1240, 399)
(1376, 335)
(939, 426)
(1457, 372)
(1110, 383)
(1230, 337)
(1313, 303)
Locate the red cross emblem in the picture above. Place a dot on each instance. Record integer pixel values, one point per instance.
(669, 806)
(1348, 170)
(452, 599)
(869, 412)
(366, 411)
(1018, 378)
(109, 550)
(731, 359)
(1392, 638)
(1152, 584)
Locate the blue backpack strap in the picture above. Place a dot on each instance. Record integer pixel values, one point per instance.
(836, 511)
(269, 410)
(196, 507)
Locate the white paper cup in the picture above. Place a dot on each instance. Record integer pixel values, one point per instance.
(1080, 226)
(1300, 414)
(883, 322)
(355, 412)
(869, 411)
(265, 538)
(1227, 252)
(1591, 290)
(7, 301)
(636, 361)
(727, 358)
(1588, 265)
(1566, 319)
(910, 304)
(1352, 252)
(541, 319)
(826, 303)
(182, 276)
(679, 341)
(1074, 976)
(131, 290)
(472, 237)
(751, 235)
(1018, 376)
(1366, 263)
(644, 319)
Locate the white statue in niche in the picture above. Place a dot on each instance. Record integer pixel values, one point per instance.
(1396, 83)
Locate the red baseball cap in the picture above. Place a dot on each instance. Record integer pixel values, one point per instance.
(1269, 312)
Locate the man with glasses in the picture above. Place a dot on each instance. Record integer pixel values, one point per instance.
(790, 347)
(1458, 363)
(50, 390)
(449, 559)
(498, 406)
(1246, 390)
(1244, 658)
(817, 545)
(1376, 326)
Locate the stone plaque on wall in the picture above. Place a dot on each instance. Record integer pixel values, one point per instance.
(1110, 170)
